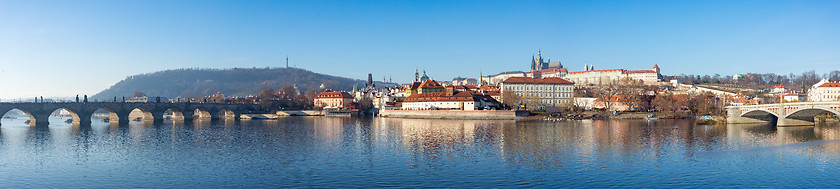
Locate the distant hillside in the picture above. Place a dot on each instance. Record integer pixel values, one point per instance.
(231, 82)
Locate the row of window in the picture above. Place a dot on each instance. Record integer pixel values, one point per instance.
(553, 101)
(520, 88)
(548, 95)
(332, 100)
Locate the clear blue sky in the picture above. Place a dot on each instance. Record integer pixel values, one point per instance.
(64, 48)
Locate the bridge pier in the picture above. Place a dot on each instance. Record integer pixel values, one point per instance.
(157, 117)
(122, 118)
(42, 119)
(189, 117)
(83, 118)
(795, 121)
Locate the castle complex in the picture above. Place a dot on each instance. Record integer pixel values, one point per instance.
(613, 76)
(544, 68)
(539, 64)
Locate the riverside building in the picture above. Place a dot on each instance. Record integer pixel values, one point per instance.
(332, 99)
(548, 91)
(824, 91)
(451, 99)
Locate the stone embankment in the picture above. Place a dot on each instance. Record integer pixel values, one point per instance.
(280, 114)
(455, 114)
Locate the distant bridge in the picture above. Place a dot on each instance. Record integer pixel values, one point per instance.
(81, 112)
(783, 114)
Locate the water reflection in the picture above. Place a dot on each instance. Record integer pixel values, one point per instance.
(336, 151)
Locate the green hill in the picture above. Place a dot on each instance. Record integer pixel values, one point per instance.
(231, 82)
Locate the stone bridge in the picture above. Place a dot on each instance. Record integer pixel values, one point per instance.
(783, 114)
(81, 112)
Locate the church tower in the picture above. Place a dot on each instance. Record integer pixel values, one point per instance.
(533, 63)
(416, 75)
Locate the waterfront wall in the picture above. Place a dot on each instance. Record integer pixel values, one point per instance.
(454, 114)
(283, 114)
(300, 113)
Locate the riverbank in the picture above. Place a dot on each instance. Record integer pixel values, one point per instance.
(455, 114)
(599, 115)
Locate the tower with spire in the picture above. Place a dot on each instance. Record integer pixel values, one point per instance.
(424, 77)
(538, 63)
(416, 75)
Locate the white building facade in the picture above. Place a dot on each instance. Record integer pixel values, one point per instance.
(614, 76)
(498, 78)
(824, 91)
(549, 91)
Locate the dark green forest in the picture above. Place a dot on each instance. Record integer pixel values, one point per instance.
(231, 82)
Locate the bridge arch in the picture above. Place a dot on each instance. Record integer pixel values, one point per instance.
(758, 113)
(145, 113)
(808, 114)
(74, 115)
(113, 116)
(203, 113)
(224, 113)
(30, 116)
(175, 113)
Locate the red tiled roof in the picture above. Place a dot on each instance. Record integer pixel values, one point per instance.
(437, 97)
(830, 84)
(431, 84)
(550, 70)
(333, 94)
(655, 66)
(489, 87)
(639, 71)
(414, 86)
(537, 80)
(615, 98)
(611, 70)
(464, 87)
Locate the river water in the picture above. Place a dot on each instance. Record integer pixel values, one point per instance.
(386, 152)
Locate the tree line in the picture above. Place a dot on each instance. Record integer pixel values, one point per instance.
(800, 82)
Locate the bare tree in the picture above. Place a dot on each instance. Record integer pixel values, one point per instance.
(511, 99)
(532, 101)
(663, 102)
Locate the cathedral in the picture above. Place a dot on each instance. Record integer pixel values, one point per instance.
(538, 63)
(418, 78)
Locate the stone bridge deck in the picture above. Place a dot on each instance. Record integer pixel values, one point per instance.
(81, 112)
(783, 114)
